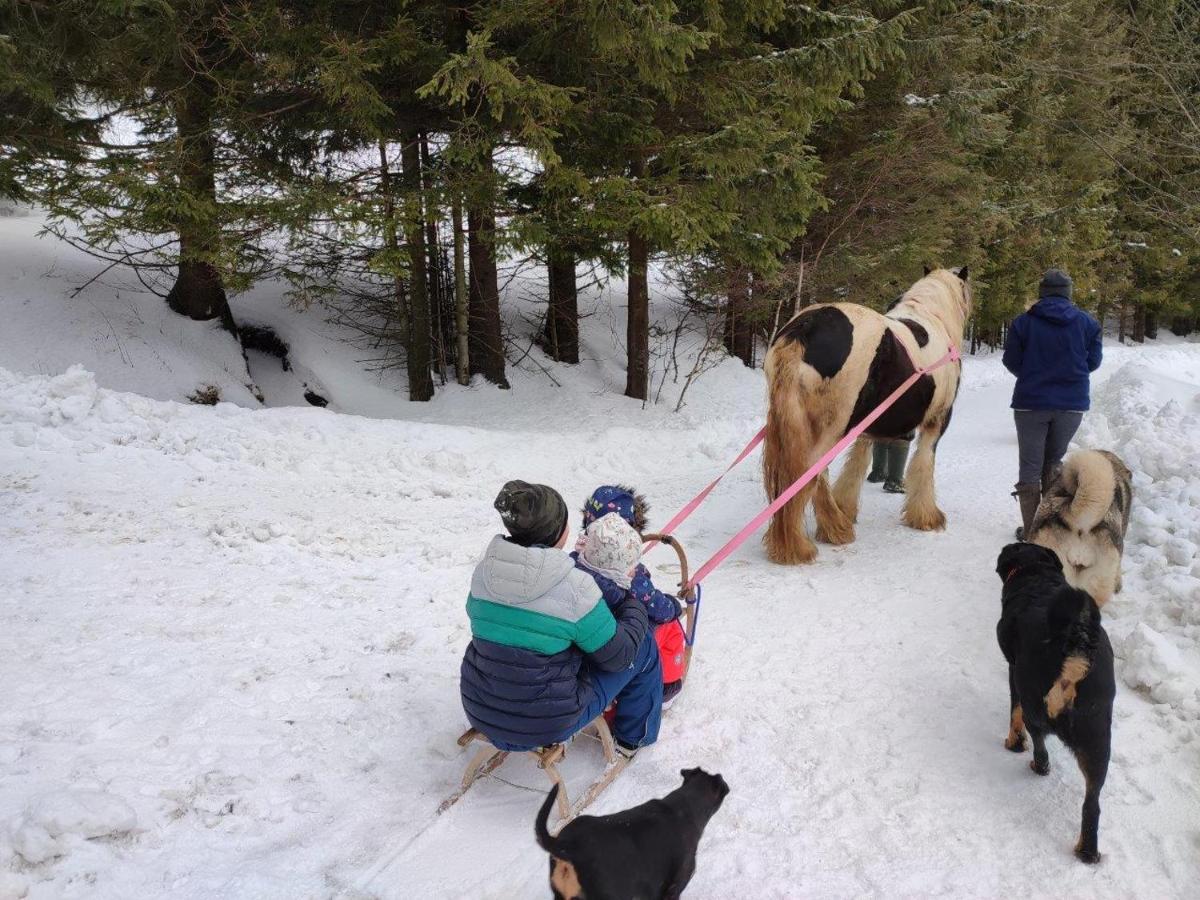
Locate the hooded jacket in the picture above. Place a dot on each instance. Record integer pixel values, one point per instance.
(1051, 349)
(538, 626)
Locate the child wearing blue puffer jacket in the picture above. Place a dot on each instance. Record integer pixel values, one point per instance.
(663, 610)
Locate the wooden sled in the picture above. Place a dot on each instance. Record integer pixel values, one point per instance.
(488, 758)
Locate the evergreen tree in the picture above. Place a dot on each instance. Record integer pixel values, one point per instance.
(197, 92)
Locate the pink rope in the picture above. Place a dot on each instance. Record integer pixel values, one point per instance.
(757, 522)
(690, 508)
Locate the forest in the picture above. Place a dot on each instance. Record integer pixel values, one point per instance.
(386, 159)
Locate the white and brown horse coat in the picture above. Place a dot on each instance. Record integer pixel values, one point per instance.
(827, 369)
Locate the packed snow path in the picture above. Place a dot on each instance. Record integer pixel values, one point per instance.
(229, 642)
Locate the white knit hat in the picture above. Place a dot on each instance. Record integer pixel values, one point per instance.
(612, 548)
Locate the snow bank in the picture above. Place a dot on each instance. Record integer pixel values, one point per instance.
(1148, 413)
(114, 327)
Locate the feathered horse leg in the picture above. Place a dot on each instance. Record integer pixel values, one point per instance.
(920, 505)
(848, 487)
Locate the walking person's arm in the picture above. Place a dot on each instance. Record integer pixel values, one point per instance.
(1095, 348)
(1014, 348)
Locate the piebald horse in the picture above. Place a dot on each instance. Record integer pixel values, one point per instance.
(826, 370)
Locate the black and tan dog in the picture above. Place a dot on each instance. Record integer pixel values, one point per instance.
(1060, 672)
(646, 852)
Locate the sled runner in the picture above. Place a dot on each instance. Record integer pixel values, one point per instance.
(488, 758)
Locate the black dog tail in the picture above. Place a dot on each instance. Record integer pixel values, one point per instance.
(1073, 619)
(545, 840)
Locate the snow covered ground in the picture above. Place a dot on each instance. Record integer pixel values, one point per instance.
(229, 641)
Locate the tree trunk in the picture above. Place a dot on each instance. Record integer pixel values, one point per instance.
(486, 335)
(391, 237)
(462, 363)
(739, 330)
(1151, 324)
(1121, 316)
(420, 382)
(561, 336)
(637, 332)
(198, 292)
(441, 325)
(1139, 323)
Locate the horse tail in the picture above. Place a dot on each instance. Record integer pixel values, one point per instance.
(789, 444)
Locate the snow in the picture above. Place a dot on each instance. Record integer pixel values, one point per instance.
(230, 636)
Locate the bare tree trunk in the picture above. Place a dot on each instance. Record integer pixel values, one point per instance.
(739, 330)
(561, 335)
(391, 235)
(486, 334)
(1121, 316)
(439, 306)
(1151, 324)
(420, 383)
(198, 292)
(637, 332)
(637, 329)
(1139, 323)
(462, 362)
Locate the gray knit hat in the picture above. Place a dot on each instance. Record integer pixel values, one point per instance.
(1055, 283)
(534, 514)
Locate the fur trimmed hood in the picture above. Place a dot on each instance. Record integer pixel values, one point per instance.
(619, 498)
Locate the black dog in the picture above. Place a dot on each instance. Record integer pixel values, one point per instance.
(1060, 672)
(645, 852)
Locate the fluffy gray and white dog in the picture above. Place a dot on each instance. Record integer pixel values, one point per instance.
(1083, 517)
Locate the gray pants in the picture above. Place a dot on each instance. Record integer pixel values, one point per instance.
(1042, 439)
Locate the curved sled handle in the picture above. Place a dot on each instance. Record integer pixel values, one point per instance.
(686, 592)
(690, 595)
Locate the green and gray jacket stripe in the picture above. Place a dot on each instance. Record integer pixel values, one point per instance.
(534, 598)
(537, 631)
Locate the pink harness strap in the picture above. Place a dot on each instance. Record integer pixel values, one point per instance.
(692, 504)
(757, 522)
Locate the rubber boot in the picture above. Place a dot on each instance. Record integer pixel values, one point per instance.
(878, 462)
(897, 456)
(1029, 495)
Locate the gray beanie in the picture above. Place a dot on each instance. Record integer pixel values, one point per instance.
(1055, 283)
(534, 514)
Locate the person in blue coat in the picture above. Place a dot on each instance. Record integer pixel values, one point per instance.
(1052, 349)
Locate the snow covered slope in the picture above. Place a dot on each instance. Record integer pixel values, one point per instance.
(60, 307)
(229, 642)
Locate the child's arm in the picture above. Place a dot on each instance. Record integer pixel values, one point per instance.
(660, 607)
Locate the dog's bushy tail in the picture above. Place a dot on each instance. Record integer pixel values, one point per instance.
(1090, 474)
(545, 840)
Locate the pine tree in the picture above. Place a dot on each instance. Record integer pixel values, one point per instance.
(201, 82)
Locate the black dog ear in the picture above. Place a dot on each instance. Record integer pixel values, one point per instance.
(688, 773)
(962, 273)
(926, 268)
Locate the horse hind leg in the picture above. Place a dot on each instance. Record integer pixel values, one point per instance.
(848, 487)
(920, 505)
(787, 539)
(833, 525)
